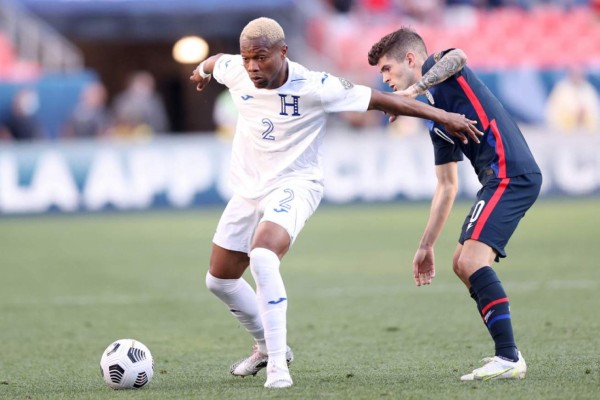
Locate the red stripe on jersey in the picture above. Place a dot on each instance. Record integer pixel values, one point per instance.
(493, 303)
(489, 208)
(483, 118)
(499, 150)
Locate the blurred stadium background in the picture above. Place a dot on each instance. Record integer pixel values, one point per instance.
(74, 136)
(77, 78)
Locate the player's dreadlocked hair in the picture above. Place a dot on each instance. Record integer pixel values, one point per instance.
(396, 45)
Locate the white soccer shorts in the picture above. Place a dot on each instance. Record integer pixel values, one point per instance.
(289, 206)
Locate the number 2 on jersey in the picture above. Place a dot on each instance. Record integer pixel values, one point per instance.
(267, 132)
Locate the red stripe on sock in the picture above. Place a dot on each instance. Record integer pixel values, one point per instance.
(493, 303)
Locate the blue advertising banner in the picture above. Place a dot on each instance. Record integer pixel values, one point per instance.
(183, 172)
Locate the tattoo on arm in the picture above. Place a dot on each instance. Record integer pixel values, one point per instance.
(450, 64)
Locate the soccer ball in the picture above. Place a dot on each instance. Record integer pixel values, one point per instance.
(126, 364)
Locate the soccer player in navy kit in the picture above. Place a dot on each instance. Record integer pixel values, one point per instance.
(508, 173)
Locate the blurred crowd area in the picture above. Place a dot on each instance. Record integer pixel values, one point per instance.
(435, 11)
(496, 34)
(541, 58)
(137, 112)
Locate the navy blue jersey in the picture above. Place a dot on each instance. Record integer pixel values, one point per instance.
(502, 152)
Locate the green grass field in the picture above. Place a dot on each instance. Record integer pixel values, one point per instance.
(360, 329)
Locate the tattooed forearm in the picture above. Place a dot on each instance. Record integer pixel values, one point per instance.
(450, 64)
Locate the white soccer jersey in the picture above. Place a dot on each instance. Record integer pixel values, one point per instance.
(279, 131)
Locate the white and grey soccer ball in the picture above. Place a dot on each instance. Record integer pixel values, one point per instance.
(127, 364)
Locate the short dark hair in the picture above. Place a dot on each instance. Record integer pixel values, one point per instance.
(397, 44)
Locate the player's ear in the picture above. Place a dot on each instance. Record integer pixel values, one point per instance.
(284, 49)
(411, 59)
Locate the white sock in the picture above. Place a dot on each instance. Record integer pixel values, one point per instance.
(272, 301)
(240, 298)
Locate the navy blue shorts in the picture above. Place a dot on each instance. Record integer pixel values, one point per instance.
(500, 205)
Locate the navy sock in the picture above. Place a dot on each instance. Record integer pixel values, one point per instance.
(474, 297)
(495, 310)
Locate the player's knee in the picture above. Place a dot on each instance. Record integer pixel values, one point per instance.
(215, 285)
(228, 265)
(212, 283)
(263, 263)
(464, 265)
(455, 267)
(455, 262)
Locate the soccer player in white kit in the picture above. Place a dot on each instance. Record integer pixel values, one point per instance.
(277, 177)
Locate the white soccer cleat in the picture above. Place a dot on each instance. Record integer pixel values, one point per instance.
(498, 368)
(278, 376)
(255, 362)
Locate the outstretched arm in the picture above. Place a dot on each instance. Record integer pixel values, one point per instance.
(456, 124)
(202, 73)
(443, 199)
(448, 65)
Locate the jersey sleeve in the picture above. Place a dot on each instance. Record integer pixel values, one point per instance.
(339, 94)
(227, 68)
(445, 148)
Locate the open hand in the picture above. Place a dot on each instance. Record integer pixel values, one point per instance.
(458, 125)
(424, 266)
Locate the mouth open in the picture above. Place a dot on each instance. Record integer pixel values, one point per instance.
(259, 82)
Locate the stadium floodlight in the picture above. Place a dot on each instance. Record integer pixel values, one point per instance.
(190, 50)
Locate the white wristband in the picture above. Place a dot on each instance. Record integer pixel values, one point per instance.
(201, 72)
